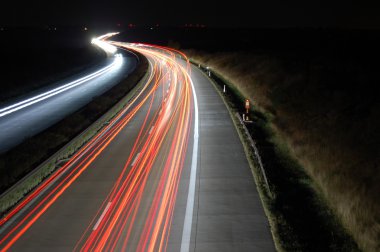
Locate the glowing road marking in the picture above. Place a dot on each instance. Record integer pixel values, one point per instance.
(134, 160)
(28, 102)
(102, 216)
(150, 131)
(186, 233)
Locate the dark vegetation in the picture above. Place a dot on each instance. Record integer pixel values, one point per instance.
(22, 159)
(318, 92)
(34, 58)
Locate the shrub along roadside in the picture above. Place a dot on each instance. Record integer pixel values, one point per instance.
(299, 217)
(23, 159)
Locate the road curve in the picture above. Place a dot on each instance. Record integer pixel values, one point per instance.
(159, 177)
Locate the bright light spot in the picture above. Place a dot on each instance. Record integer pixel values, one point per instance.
(104, 45)
(100, 41)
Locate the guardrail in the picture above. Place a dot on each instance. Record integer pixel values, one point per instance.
(256, 152)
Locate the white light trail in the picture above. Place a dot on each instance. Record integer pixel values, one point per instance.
(104, 45)
(117, 62)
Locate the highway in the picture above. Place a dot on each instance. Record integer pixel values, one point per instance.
(33, 113)
(167, 174)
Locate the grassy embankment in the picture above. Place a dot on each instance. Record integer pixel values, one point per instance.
(24, 158)
(316, 125)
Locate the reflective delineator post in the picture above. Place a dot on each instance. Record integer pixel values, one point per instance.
(247, 105)
(224, 88)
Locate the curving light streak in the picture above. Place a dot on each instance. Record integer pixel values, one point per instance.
(104, 45)
(117, 62)
(140, 206)
(100, 41)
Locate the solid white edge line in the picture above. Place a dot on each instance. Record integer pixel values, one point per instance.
(102, 216)
(188, 222)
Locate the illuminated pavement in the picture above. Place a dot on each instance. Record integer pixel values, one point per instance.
(16, 125)
(149, 181)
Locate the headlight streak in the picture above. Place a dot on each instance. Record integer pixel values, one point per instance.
(117, 62)
(159, 151)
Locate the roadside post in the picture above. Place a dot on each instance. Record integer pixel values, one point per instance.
(247, 109)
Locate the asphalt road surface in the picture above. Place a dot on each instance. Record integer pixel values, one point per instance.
(167, 174)
(32, 113)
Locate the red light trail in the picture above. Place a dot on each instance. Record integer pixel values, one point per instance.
(133, 216)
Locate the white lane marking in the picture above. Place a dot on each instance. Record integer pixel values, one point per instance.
(188, 222)
(102, 216)
(150, 131)
(134, 160)
(20, 105)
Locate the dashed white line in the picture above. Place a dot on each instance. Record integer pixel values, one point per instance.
(134, 160)
(102, 216)
(150, 131)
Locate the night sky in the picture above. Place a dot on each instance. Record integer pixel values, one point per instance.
(237, 13)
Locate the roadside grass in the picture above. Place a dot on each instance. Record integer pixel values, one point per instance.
(299, 215)
(40, 155)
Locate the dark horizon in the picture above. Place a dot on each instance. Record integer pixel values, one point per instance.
(270, 14)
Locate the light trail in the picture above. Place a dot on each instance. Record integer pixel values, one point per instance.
(116, 63)
(30, 101)
(138, 211)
